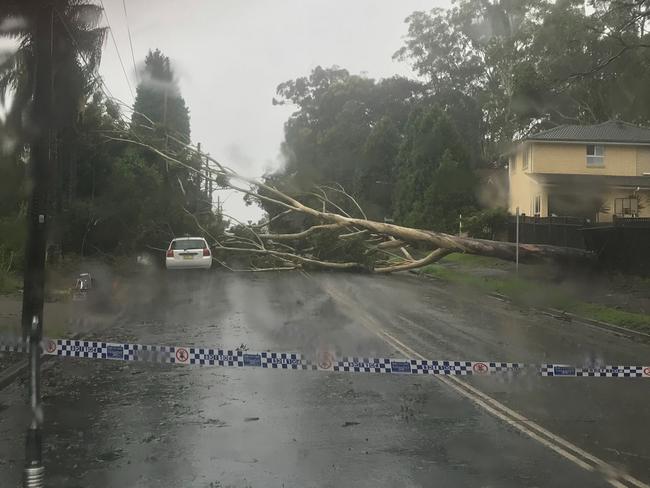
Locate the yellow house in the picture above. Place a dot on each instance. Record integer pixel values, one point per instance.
(586, 171)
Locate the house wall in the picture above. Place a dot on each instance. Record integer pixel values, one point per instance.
(643, 161)
(568, 158)
(523, 189)
(564, 158)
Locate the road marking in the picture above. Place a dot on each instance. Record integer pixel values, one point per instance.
(501, 411)
(522, 422)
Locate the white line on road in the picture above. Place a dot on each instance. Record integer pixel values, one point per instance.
(499, 410)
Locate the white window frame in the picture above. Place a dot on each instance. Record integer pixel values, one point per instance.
(626, 206)
(597, 158)
(537, 206)
(524, 158)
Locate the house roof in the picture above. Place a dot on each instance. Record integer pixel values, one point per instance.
(610, 131)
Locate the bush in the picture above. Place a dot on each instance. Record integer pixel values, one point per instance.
(487, 224)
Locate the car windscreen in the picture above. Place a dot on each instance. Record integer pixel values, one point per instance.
(188, 244)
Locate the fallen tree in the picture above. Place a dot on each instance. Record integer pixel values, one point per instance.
(369, 243)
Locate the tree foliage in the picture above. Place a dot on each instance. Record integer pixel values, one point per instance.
(109, 197)
(434, 181)
(384, 142)
(158, 100)
(532, 64)
(346, 130)
(494, 71)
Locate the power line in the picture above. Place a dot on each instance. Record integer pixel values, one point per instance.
(128, 29)
(104, 87)
(98, 79)
(119, 56)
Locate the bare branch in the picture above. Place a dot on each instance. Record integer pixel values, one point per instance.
(432, 257)
(296, 257)
(446, 243)
(274, 218)
(354, 234)
(263, 270)
(300, 235)
(403, 249)
(343, 192)
(391, 244)
(325, 199)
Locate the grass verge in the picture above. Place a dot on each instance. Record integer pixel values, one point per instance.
(527, 291)
(9, 283)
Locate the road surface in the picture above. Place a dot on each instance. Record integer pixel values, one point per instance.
(114, 424)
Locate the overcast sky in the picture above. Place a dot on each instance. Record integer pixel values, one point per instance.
(230, 55)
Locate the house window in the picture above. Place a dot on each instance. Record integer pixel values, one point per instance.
(524, 164)
(537, 206)
(626, 207)
(595, 155)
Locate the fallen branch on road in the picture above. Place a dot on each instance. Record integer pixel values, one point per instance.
(352, 237)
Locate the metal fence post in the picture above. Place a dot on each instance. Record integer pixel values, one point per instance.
(517, 242)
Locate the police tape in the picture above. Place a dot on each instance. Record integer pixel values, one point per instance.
(324, 361)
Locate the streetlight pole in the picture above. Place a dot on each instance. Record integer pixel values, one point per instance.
(34, 276)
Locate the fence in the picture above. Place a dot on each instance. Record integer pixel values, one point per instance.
(558, 231)
(622, 244)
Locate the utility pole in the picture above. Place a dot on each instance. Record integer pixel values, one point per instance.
(209, 173)
(34, 277)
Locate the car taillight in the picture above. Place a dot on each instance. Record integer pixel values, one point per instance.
(206, 252)
(170, 253)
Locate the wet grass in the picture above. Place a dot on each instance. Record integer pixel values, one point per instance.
(55, 329)
(612, 316)
(9, 283)
(490, 275)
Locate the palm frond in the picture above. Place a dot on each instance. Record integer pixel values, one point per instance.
(84, 14)
(8, 61)
(78, 35)
(6, 84)
(90, 44)
(22, 96)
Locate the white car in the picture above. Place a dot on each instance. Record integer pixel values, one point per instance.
(188, 253)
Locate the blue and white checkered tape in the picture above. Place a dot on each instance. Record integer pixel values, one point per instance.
(597, 372)
(239, 358)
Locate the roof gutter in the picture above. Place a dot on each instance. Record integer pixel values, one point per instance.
(575, 141)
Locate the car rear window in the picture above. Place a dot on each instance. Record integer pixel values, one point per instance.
(188, 244)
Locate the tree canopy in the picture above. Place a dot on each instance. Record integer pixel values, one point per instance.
(492, 72)
(533, 64)
(109, 197)
(158, 100)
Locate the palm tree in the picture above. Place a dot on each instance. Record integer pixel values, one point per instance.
(77, 46)
(77, 42)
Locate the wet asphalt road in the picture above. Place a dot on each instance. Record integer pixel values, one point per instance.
(142, 425)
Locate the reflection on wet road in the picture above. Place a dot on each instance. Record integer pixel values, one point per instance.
(142, 425)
